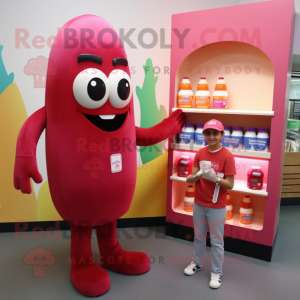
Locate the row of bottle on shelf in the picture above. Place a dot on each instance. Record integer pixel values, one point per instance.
(235, 140)
(255, 175)
(246, 210)
(202, 95)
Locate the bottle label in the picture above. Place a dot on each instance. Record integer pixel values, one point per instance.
(188, 204)
(185, 86)
(236, 142)
(250, 143)
(188, 208)
(202, 101)
(246, 219)
(220, 87)
(220, 101)
(199, 139)
(183, 168)
(226, 141)
(261, 144)
(186, 137)
(185, 101)
(203, 86)
(256, 174)
(255, 183)
(183, 171)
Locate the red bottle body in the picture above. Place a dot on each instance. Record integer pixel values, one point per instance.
(185, 166)
(255, 178)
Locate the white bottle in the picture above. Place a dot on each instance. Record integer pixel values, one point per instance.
(227, 137)
(199, 136)
(189, 199)
(185, 95)
(236, 142)
(220, 95)
(262, 140)
(187, 136)
(202, 96)
(250, 139)
(246, 211)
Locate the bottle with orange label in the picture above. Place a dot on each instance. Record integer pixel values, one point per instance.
(246, 211)
(229, 208)
(220, 96)
(189, 198)
(202, 96)
(185, 95)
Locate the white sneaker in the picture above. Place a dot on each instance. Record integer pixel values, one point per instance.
(191, 269)
(215, 281)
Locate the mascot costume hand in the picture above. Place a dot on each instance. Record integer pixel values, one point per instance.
(91, 141)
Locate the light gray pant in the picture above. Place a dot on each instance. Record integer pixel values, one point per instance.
(215, 219)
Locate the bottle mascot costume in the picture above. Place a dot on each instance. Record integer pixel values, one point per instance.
(89, 121)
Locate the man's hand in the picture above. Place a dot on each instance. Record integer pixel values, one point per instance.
(194, 178)
(211, 175)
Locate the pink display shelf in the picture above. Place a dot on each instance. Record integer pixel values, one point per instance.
(230, 42)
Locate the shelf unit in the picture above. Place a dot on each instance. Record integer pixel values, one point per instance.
(256, 99)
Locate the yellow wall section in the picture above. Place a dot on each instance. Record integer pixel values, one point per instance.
(14, 205)
(150, 194)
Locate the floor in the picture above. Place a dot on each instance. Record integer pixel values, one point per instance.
(243, 278)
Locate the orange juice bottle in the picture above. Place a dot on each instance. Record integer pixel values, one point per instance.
(202, 96)
(229, 208)
(185, 95)
(246, 211)
(189, 199)
(220, 96)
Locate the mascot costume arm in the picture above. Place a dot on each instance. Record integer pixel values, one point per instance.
(165, 129)
(25, 163)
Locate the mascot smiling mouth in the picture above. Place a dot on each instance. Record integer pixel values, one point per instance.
(107, 123)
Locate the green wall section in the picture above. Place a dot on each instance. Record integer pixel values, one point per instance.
(5, 79)
(150, 114)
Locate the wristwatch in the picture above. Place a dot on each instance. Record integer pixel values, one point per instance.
(217, 183)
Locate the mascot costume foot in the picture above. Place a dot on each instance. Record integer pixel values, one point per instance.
(91, 141)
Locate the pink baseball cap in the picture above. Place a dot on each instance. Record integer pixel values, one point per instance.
(213, 124)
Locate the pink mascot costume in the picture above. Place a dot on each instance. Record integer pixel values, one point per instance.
(89, 121)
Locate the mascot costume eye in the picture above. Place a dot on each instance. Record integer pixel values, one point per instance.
(89, 121)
